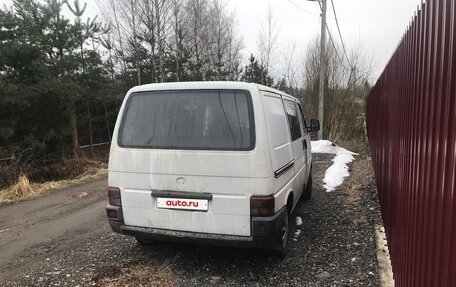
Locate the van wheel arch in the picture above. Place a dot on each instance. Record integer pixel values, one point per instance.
(307, 192)
(290, 202)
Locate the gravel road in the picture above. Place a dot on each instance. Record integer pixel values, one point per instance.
(63, 239)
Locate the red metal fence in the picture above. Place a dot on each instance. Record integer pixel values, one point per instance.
(411, 118)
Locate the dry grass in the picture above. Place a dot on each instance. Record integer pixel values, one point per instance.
(143, 272)
(356, 145)
(356, 184)
(23, 189)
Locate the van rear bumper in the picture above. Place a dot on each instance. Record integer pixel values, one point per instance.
(265, 233)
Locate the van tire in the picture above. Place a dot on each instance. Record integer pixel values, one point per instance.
(280, 247)
(143, 241)
(307, 194)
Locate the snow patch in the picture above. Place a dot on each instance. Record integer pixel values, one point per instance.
(298, 221)
(296, 235)
(325, 146)
(336, 173)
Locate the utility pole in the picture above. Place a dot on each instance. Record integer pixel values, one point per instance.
(321, 96)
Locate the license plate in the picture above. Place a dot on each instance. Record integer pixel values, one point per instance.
(182, 203)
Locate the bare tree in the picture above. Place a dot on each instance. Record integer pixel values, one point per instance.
(345, 90)
(268, 40)
(162, 16)
(218, 37)
(234, 46)
(176, 39)
(115, 37)
(290, 70)
(125, 17)
(131, 15)
(179, 19)
(148, 35)
(199, 35)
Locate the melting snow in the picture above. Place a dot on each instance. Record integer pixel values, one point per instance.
(296, 235)
(336, 173)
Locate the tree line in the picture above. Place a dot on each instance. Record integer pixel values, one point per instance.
(63, 75)
(54, 81)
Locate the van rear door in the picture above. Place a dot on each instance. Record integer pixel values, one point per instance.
(187, 160)
(305, 138)
(299, 144)
(279, 139)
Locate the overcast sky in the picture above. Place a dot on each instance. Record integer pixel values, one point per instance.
(378, 25)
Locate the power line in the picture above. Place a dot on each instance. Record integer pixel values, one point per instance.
(340, 34)
(299, 7)
(332, 40)
(329, 32)
(327, 28)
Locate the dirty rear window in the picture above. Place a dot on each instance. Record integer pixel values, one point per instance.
(195, 119)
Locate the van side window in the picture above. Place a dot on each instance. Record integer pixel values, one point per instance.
(292, 112)
(277, 121)
(302, 120)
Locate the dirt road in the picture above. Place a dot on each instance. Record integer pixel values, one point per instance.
(30, 230)
(63, 239)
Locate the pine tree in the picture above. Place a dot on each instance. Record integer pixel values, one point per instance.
(256, 73)
(45, 78)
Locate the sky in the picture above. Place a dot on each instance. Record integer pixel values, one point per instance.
(376, 26)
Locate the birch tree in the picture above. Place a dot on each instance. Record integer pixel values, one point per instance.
(345, 89)
(268, 40)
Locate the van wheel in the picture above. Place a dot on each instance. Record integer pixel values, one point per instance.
(143, 241)
(279, 249)
(307, 194)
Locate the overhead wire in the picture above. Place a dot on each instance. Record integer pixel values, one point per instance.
(332, 40)
(329, 33)
(352, 69)
(340, 34)
(299, 7)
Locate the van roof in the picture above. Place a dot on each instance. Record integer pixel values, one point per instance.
(203, 85)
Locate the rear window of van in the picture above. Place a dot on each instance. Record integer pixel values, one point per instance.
(190, 120)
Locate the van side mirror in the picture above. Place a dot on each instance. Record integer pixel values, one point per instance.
(314, 125)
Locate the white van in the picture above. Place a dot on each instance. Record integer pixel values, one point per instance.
(209, 162)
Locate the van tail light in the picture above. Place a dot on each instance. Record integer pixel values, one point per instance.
(114, 196)
(262, 205)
